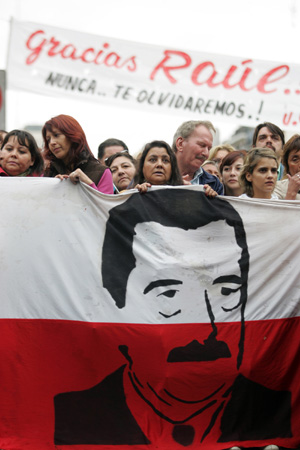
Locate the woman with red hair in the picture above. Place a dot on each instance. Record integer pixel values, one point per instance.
(68, 155)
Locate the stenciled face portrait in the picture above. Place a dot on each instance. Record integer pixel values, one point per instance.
(15, 158)
(185, 284)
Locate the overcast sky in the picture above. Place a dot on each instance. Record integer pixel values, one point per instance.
(261, 29)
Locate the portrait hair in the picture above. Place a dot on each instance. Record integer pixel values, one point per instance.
(187, 128)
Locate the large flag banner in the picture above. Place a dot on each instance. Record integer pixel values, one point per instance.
(147, 321)
(55, 61)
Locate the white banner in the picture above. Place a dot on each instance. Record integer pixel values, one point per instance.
(58, 230)
(55, 61)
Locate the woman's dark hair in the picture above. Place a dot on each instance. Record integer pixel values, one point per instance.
(175, 179)
(231, 158)
(68, 126)
(292, 144)
(27, 140)
(124, 153)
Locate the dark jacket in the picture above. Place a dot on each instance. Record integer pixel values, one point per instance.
(100, 415)
(89, 165)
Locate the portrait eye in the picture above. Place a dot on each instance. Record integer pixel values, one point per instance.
(170, 293)
(228, 291)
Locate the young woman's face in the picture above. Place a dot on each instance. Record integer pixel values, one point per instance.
(230, 176)
(123, 171)
(263, 178)
(58, 144)
(157, 166)
(15, 158)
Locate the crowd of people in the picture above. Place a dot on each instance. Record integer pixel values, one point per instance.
(269, 170)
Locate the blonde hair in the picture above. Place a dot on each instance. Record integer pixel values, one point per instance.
(213, 151)
(252, 159)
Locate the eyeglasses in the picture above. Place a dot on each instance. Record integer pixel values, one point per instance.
(109, 157)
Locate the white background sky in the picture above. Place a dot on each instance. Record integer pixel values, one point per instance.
(261, 29)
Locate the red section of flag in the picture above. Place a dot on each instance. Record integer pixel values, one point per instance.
(48, 366)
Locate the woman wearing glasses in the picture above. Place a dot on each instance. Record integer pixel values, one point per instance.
(68, 155)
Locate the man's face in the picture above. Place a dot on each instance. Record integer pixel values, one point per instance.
(108, 151)
(189, 284)
(267, 139)
(195, 149)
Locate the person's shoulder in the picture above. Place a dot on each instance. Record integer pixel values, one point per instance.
(244, 196)
(212, 180)
(281, 188)
(3, 173)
